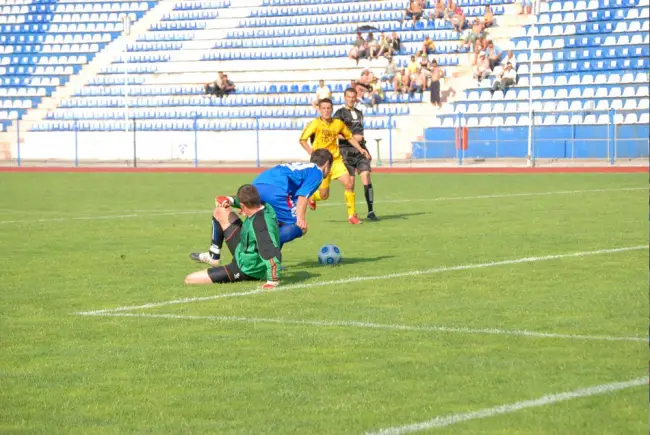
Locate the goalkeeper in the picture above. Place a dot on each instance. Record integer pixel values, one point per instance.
(254, 243)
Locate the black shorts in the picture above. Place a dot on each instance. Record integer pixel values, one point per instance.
(230, 272)
(355, 161)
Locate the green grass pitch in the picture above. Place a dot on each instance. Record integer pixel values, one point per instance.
(82, 242)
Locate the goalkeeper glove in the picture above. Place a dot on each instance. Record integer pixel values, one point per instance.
(223, 201)
(270, 285)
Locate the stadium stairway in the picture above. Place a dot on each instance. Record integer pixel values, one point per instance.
(45, 47)
(590, 82)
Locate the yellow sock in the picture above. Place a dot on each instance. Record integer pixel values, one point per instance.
(316, 196)
(349, 201)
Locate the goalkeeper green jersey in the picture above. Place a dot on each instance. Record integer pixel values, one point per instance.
(258, 253)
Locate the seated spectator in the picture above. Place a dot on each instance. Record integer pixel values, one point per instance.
(385, 46)
(414, 11)
(373, 46)
(401, 82)
(366, 77)
(321, 93)
(438, 11)
(488, 17)
(450, 9)
(412, 66)
(228, 86)
(507, 79)
(493, 54)
(396, 43)
(390, 71)
(420, 83)
(215, 88)
(458, 19)
(359, 48)
(482, 70)
(424, 62)
(375, 95)
(428, 47)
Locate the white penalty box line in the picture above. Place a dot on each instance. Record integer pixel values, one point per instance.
(448, 420)
(122, 311)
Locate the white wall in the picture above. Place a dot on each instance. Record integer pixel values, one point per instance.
(228, 146)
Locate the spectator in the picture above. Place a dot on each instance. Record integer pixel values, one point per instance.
(359, 48)
(436, 75)
(488, 17)
(458, 19)
(228, 86)
(385, 46)
(438, 11)
(412, 66)
(424, 62)
(419, 83)
(480, 46)
(428, 47)
(396, 43)
(482, 70)
(401, 82)
(507, 79)
(390, 71)
(450, 9)
(510, 59)
(526, 7)
(215, 88)
(414, 11)
(493, 54)
(373, 46)
(321, 93)
(375, 95)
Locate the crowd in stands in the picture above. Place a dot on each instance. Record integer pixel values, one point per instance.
(422, 72)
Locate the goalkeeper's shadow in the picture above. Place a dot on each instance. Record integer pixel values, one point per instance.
(346, 261)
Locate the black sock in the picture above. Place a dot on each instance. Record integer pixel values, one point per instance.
(370, 197)
(217, 240)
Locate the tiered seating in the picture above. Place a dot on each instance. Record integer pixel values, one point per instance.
(43, 43)
(275, 55)
(590, 68)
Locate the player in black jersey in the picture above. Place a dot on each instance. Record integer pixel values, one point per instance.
(353, 159)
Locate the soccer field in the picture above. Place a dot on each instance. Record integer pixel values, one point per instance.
(469, 308)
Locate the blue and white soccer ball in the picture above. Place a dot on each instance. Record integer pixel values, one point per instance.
(329, 254)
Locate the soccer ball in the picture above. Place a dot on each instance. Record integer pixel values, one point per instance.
(329, 254)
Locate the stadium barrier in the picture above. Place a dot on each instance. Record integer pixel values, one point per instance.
(193, 142)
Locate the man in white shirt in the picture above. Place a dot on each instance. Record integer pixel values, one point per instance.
(322, 93)
(507, 79)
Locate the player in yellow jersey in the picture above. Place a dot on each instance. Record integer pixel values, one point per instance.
(324, 132)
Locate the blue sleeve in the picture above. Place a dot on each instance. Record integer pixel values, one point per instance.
(310, 183)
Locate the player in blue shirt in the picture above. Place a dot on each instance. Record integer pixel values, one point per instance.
(287, 188)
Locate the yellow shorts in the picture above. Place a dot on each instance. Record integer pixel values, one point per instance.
(338, 170)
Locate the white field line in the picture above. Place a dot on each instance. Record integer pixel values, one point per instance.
(550, 399)
(378, 326)
(153, 213)
(368, 278)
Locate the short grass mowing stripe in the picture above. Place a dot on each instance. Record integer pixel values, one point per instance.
(378, 326)
(131, 214)
(369, 278)
(550, 399)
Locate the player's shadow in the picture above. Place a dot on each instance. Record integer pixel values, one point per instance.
(385, 217)
(346, 261)
(290, 277)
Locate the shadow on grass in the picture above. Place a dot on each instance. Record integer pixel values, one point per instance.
(346, 261)
(290, 277)
(387, 217)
